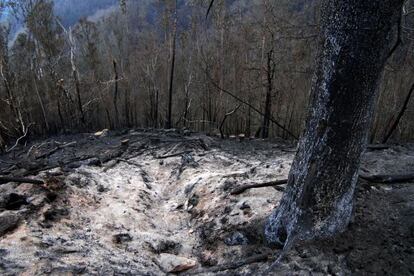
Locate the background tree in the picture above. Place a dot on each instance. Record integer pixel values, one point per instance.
(225, 51)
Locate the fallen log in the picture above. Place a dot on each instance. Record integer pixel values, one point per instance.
(388, 179)
(6, 179)
(47, 154)
(378, 147)
(232, 265)
(384, 179)
(59, 165)
(174, 155)
(239, 190)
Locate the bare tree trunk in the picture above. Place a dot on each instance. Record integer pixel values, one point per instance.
(42, 106)
(126, 106)
(116, 79)
(156, 108)
(172, 69)
(76, 76)
(78, 95)
(356, 37)
(270, 72)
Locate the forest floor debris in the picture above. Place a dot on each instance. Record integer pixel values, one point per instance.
(144, 202)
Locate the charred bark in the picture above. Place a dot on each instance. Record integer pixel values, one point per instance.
(116, 79)
(172, 69)
(78, 95)
(355, 39)
(270, 72)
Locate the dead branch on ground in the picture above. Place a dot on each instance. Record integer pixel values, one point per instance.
(174, 155)
(388, 179)
(59, 147)
(383, 179)
(241, 189)
(5, 180)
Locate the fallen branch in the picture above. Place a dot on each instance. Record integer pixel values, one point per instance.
(5, 180)
(47, 154)
(174, 155)
(378, 147)
(60, 165)
(384, 179)
(232, 265)
(239, 190)
(132, 163)
(388, 179)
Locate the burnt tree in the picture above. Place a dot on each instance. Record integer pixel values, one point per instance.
(355, 40)
(172, 68)
(270, 73)
(115, 100)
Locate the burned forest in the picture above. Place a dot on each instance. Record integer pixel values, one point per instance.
(206, 137)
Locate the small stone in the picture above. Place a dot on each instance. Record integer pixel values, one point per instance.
(125, 142)
(14, 201)
(8, 222)
(102, 133)
(101, 188)
(207, 258)
(245, 206)
(54, 215)
(228, 184)
(121, 238)
(172, 264)
(164, 246)
(92, 162)
(227, 210)
(193, 200)
(236, 238)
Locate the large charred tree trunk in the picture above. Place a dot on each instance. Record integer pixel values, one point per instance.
(356, 37)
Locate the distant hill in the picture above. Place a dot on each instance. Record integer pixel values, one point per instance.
(70, 11)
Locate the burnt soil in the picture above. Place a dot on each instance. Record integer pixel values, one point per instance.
(121, 203)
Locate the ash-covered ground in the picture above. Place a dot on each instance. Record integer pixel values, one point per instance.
(146, 202)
